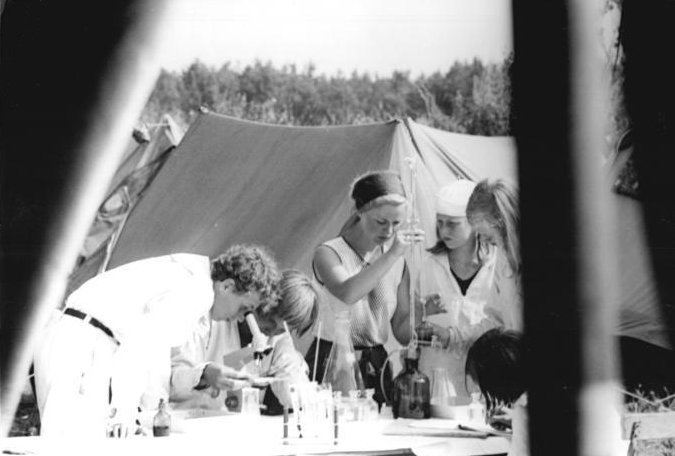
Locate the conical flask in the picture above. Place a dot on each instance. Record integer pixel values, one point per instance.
(442, 388)
(342, 369)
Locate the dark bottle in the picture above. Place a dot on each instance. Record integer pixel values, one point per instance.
(161, 423)
(411, 397)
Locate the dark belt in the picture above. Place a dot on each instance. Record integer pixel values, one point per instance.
(371, 347)
(92, 321)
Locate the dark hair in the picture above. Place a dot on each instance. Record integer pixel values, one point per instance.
(496, 202)
(375, 184)
(495, 363)
(251, 267)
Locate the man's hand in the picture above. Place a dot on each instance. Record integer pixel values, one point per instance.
(223, 377)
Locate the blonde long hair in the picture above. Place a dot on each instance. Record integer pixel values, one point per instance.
(496, 202)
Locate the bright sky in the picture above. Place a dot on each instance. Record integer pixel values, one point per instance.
(375, 36)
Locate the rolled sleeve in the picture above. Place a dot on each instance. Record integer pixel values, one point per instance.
(188, 363)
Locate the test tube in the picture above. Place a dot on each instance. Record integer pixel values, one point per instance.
(335, 424)
(285, 425)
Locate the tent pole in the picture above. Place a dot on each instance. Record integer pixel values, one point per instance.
(86, 103)
(566, 232)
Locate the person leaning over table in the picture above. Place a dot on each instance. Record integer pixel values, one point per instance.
(95, 356)
(494, 363)
(364, 272)
(196, 366)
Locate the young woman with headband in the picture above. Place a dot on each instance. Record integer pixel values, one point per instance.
(364, 272)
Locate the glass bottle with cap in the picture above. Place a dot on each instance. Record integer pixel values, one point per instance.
(161, 423)
(411, 397)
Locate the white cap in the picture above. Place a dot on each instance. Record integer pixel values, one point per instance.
(451, 200)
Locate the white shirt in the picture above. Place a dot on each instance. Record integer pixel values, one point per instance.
(468, 316)
(209, 343)
(150, 305)
(520, 444)
(365, 329)
(161, 297)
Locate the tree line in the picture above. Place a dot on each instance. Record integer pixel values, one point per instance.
(471, 97)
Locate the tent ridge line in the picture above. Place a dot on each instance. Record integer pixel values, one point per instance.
(406, 122)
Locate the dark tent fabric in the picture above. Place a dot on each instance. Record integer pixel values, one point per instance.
(139, 164)
(233, 181)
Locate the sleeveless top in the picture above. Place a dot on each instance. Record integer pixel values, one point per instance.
(368, 317)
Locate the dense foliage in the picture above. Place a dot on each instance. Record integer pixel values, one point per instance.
(471, 97)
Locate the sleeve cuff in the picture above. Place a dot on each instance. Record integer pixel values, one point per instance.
(196, 382)
(186, 379)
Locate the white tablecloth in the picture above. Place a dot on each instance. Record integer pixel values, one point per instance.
(235, 434)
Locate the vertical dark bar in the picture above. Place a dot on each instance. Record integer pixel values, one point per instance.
(75, 76)
(646, 33)
(542, 110)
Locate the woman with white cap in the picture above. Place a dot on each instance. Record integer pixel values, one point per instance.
(461, 269)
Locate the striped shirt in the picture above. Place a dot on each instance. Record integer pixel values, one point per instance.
(369, 316)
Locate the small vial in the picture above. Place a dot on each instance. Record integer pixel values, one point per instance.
(371, 405)
(161, 423)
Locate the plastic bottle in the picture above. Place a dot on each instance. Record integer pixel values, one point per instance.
(161, 423)
(411, 390)
(342, 369)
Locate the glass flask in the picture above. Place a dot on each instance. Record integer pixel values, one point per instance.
(442, 388)
(411, 390)
(342, 369)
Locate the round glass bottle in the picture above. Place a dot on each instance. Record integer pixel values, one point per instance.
(411, 397)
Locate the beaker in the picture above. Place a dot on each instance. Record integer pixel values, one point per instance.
(442, 388)
(250, 401)
(342, 369)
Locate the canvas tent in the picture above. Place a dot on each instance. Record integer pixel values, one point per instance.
(232, 181)
(144, 156)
